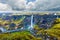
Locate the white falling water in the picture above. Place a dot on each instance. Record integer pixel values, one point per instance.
(2, 29)
(57, 17)
(32, 21)
(31, 27)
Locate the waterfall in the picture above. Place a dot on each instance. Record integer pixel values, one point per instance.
(2, 29)
(57, 17)
(32, 21)
(31, 26)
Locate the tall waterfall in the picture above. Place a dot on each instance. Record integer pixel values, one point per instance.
(57, 17)
(31, 26)
(32, 21)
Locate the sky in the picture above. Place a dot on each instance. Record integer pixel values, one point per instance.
(29, 5)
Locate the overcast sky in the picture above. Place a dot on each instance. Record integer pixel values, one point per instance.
(30, 5)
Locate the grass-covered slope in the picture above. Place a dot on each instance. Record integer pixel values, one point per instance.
(24, 35)
(55, 30)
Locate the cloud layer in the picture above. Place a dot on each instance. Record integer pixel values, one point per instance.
(5, 7)
(21, 5)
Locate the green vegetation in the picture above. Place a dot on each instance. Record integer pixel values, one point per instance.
(24, 35)
(53, 32)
